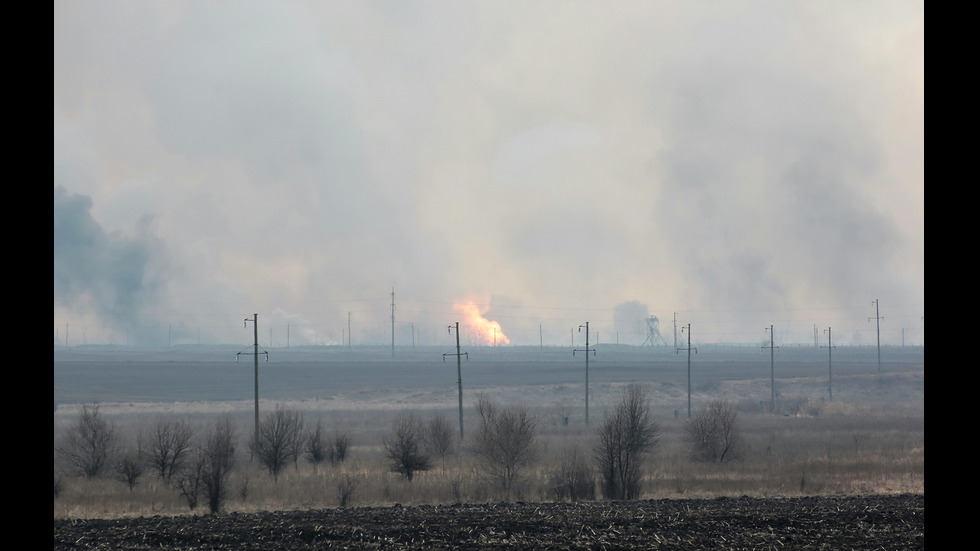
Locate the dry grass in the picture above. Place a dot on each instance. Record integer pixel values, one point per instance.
(838, 448)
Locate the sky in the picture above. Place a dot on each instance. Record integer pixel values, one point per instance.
(325, 168)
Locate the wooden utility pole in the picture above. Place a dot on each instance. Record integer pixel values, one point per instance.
(586, 350)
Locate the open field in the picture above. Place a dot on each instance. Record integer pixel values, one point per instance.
(371, 378)
(867, 441)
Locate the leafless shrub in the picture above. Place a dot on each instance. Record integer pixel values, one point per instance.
(714, 433)
(341, 443)
(89, 445)
(279, 439)
(346, 486)
(505, 441)
(316, 447)
(130, 466)
(405, 447)
(168, 443)
(574, 479)
(218, 459)
(440, 438)
(810, 408)
(622, 442)
(187, 480)
(243, 488)
(456, 485)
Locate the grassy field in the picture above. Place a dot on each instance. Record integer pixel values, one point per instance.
(868, 439)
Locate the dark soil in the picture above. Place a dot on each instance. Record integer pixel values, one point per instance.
(831, 523)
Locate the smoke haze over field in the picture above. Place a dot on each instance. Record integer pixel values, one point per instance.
(728, 165)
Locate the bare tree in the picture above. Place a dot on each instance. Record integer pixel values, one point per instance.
(505, 441)
(168, 443)
(440, 437)
(622, 442)
(279, 439)
(405, 447)
(346, 485)
(714, 433)
(89, 445)
(187, 479)
(217, 459)
(316, 447)
(574, 479)
(341, 444)
(130, 465)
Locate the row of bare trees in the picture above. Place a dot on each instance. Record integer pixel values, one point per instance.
(505, 445)
(198, 466)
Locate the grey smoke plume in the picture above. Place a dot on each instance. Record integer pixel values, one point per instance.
(112, 275)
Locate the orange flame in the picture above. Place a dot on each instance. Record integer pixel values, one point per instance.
(478, 327)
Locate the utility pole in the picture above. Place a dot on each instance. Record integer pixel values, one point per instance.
(255, 327)
(541, 336)
(878, 330)
(675, 330)
(348, 329)
(688, 366)
(393, 322)
(587, 350)
(459, 375)
(830, 366)
(772, 371)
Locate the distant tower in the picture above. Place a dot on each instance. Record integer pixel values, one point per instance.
(654, 337)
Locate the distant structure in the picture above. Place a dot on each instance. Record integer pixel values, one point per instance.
(654, 337)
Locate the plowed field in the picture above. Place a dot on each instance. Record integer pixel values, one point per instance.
(831, 523)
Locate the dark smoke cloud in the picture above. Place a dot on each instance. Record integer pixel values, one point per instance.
(113, 275)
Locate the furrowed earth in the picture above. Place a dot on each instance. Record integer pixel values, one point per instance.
(845, 522)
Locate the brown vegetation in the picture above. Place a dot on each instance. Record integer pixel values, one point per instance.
(869, 442)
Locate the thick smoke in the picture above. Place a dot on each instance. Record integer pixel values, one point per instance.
(732, 164)
(111, 275)
(629, 319)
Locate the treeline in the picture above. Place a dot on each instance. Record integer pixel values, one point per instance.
(197, 463)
